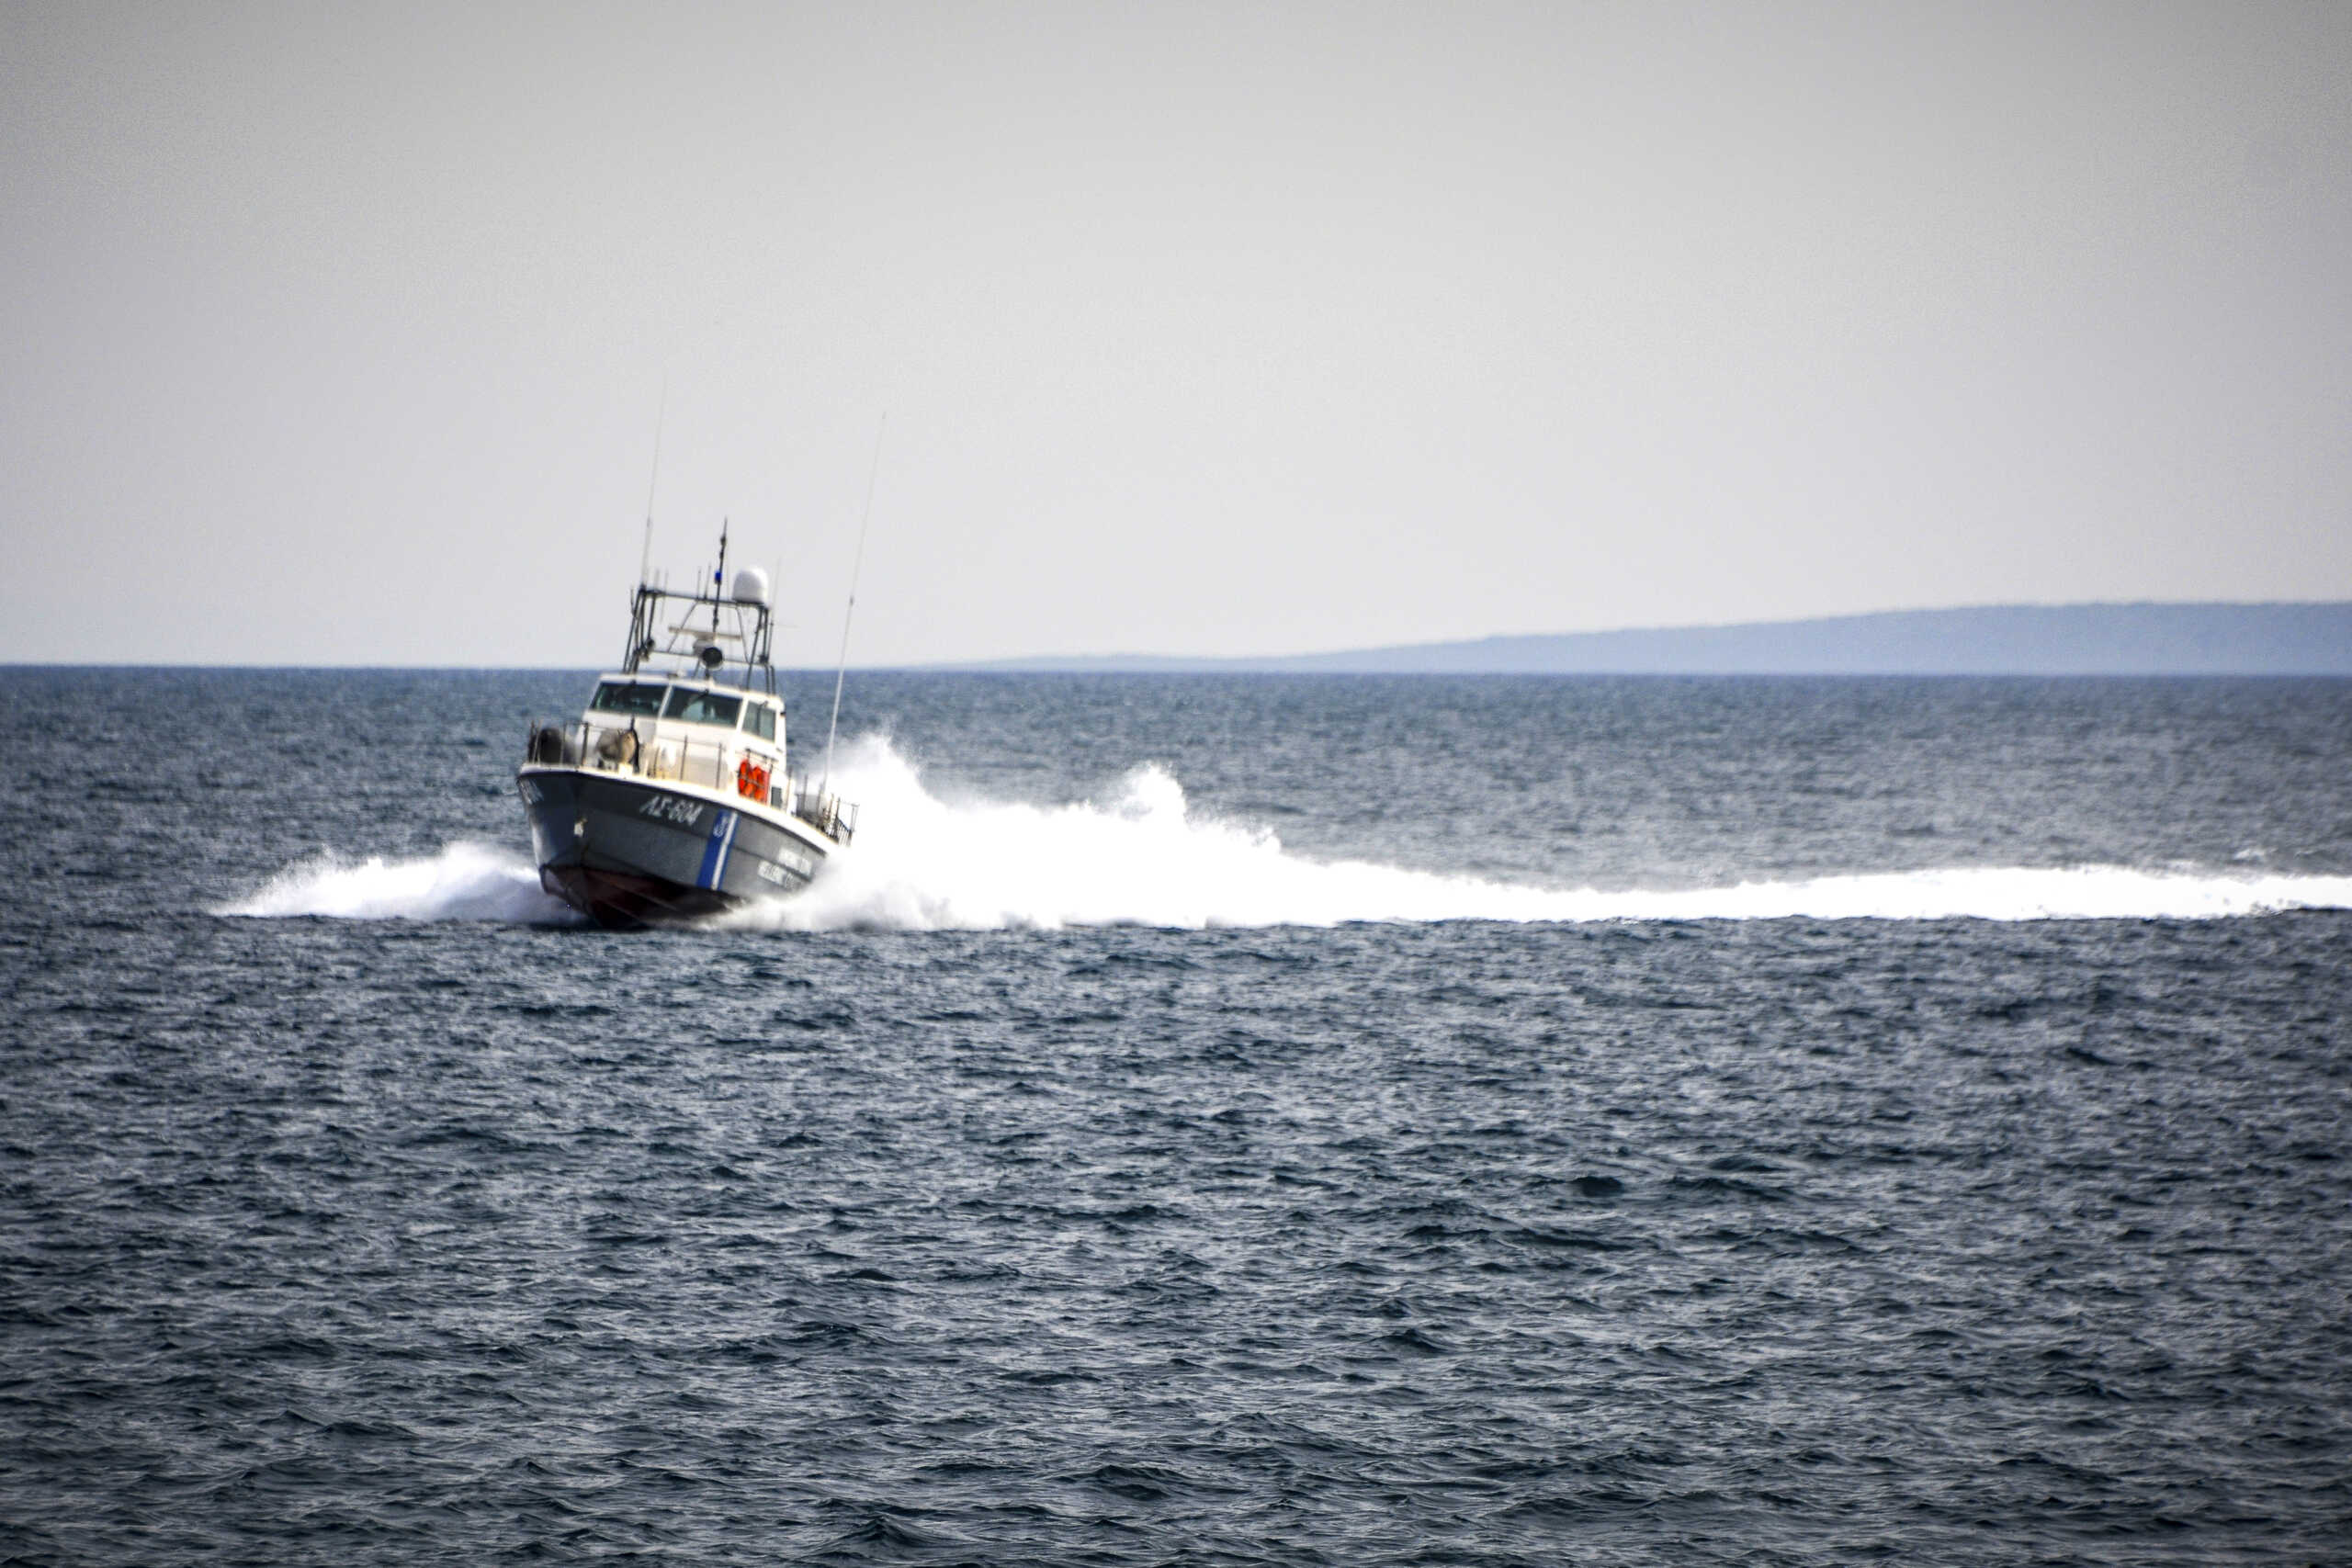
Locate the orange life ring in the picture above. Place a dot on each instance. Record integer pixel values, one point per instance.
(749, 780)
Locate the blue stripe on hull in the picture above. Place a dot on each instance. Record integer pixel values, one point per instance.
(714, 854)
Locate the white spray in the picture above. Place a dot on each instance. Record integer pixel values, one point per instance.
(1139, 855)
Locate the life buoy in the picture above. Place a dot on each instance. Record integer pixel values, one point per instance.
(751, 780)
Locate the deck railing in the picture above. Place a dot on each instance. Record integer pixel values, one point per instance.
(712, 765)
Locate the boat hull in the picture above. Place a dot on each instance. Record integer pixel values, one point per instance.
(628, 852)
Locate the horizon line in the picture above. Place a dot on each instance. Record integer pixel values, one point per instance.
(1001, 661)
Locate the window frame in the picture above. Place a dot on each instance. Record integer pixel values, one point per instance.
(685, 697)
(662, 698)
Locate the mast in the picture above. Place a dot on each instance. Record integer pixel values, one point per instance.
(645, 555)
(857, 564)
(718, 582)
(641, 631)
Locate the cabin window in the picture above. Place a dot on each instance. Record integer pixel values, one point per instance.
(760, 719)
(628, 696)
(702, 707)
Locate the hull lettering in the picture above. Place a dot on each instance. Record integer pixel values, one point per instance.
(671, 808)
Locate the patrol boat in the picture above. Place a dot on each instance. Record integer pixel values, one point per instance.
(671, 797)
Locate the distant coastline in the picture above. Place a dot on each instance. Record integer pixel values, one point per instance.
(2273, 640)
(2002, 639)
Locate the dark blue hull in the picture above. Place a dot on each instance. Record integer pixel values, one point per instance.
(628, 852)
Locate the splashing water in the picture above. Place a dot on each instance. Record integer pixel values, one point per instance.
(1142, 857)
(464, 882)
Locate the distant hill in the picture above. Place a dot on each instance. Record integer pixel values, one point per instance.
(2003, 639)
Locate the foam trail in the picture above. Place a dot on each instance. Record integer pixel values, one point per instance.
(1141, 858)
(463, 882)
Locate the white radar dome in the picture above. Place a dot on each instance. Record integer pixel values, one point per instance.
(752, 586)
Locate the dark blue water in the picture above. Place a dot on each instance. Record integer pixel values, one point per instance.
(1253, 1121)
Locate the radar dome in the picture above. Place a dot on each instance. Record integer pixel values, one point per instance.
(752, 586)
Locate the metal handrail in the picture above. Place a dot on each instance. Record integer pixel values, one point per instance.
(618, 748)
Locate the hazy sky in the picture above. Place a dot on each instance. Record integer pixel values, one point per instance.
(335, 334)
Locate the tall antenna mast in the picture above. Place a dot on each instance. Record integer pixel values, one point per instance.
(719, 580)
(645, 556)
(857, 564)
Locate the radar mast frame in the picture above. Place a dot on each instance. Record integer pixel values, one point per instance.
(702, 651)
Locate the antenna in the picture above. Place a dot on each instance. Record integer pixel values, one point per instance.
(857, 564)
(718, 580)
(660, 410)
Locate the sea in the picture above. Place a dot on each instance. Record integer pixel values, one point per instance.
(1202, 1119)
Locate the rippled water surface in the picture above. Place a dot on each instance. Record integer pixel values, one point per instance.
(1274, 1120)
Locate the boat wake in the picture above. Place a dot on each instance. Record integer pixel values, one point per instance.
(466, 881)
(1142, 857)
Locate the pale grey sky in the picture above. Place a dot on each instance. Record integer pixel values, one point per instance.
(335, 334)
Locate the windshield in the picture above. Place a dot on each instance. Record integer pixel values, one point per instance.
(624, 696)
(702, 707)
